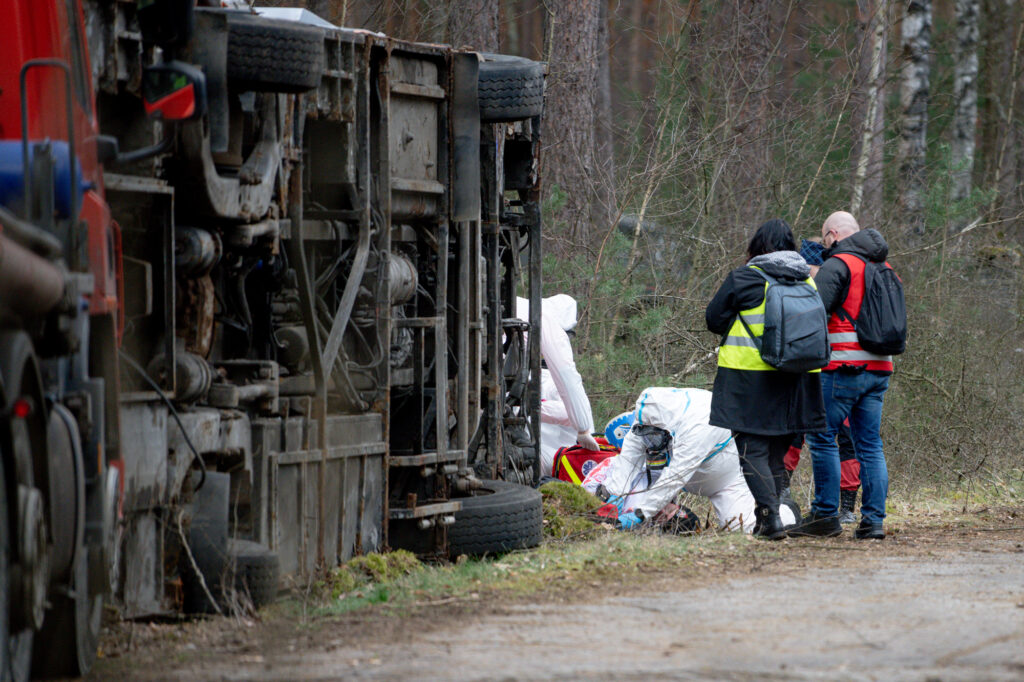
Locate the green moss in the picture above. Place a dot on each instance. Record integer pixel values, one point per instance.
(402, 562)
(568, 511)
(341, 580)
(372, 569)
(373, 566)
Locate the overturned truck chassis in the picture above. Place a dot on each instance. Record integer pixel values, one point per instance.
(322, 283)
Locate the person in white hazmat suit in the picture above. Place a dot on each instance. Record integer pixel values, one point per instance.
(671, 448)
(565, 414)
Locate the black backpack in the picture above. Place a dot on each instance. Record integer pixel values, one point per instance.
(795, 337)
(882, 322)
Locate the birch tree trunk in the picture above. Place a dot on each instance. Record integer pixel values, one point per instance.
(914, 94)
(965, 96)
(474, 24)
(568, 158)
(867, 183)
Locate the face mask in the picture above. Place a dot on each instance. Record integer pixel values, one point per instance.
(657, 444)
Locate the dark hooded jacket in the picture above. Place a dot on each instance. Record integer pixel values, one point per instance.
(767, 403)
(833, 279)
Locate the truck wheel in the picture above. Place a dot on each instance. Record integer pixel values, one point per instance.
(499, 517)
(72, 628)
(16, 651)
(257, 570)
(208, 540)
(510, 88)
(270, 55)
(248, 567)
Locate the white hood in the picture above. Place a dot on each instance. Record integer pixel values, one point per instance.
(561, 308)
(558, 316)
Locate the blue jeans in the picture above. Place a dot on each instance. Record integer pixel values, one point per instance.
(859, 397)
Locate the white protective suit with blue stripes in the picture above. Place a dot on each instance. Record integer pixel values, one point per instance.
(704, 459)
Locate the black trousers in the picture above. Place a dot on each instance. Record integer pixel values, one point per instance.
(762, 461)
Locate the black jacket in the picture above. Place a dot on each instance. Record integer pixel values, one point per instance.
(767, 403)
(833, 279)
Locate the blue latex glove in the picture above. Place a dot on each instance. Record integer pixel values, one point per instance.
(605, 496)
(630, 520)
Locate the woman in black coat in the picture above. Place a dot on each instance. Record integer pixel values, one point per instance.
(763, 407)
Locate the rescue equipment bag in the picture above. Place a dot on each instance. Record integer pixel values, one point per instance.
(574, 462)
(795, 337)
(881, 324)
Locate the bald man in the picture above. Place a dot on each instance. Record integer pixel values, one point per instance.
(853, 384)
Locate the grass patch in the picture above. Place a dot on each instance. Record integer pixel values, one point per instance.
(568, 511)
(607, 555)
(578, 552)
(367, 577)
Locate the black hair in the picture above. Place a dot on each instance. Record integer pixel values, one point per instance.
(773, 235)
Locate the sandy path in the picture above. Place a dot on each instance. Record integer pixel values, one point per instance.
(957, 615)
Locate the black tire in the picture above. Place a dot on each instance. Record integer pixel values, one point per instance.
(72, 627)
(500, 517)
(248, 568)
(257, 571)
(269, 55)
(510, 88)
(207, 540)
(16, 650)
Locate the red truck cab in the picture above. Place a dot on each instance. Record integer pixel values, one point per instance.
(34, 30)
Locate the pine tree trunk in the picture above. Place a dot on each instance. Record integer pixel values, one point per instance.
(914, 94)
(571, 43)
(321, 8)
(473, 24)
(965, 96)
(868, 150)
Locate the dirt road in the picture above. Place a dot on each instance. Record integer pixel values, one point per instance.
(905, 609)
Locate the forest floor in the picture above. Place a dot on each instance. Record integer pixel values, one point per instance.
(941, 598)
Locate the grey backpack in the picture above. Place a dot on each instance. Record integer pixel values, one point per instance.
(795, 337)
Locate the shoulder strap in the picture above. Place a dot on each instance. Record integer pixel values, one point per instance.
(770, 280)
(750, 332)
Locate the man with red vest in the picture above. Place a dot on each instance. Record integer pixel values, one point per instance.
(853, 384)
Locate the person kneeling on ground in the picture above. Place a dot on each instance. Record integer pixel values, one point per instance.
(671, 448)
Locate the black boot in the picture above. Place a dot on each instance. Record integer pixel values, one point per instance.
(847, 505)
(769, 525)
(784, 494)
(813, 525)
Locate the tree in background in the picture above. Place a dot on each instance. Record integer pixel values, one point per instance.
(746, 127)
(965, 96)
(915, 42)
(869, 106)
(571, 44)
(474, 24)
(606, 207)
(1000, 108)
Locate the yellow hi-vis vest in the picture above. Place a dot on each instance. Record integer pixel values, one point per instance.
(738, 350)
